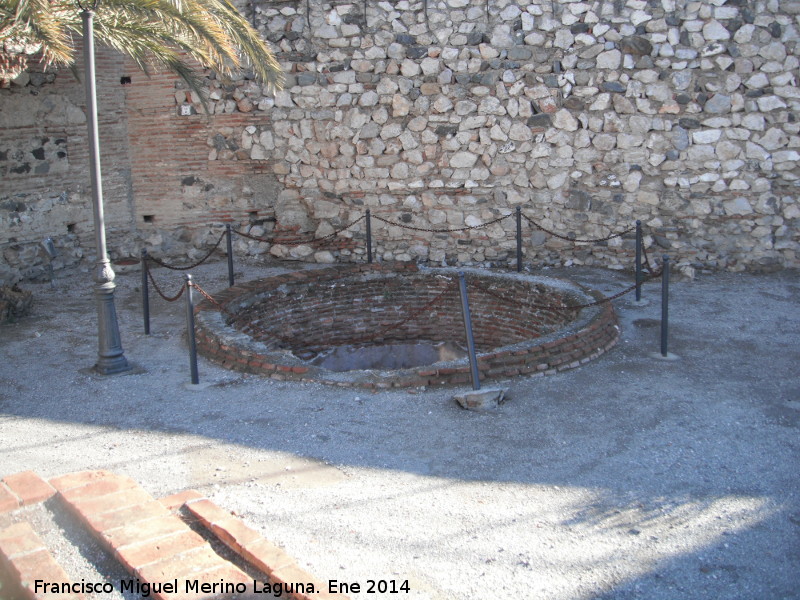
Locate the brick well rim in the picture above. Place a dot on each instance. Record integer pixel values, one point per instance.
(592, 333)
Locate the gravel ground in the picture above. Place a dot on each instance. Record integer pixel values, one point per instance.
(631, 477)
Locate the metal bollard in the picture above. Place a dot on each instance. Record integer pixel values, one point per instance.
(145, 294)
(473, 361)
(639, 275)
(369, 236)
(664, 306)
(519, 239)
(190, 331)
(230, 254)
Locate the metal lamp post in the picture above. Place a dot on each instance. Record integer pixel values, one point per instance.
(111, 358)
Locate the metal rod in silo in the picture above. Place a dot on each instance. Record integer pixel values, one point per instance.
(473, 361)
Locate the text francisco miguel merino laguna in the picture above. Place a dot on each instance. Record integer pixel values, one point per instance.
(276, 589)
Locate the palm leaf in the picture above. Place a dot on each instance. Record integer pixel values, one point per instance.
(154, 33)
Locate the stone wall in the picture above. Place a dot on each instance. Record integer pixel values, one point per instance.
(587, 114)
(44, 172)
(443, 113)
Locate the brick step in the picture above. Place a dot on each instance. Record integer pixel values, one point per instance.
(153, 541)
(24, 560)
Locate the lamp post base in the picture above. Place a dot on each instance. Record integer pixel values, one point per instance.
(110, 358)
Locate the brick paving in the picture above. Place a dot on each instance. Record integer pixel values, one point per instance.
(151, 540)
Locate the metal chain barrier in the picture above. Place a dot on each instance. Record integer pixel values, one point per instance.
(557, 308)
(431, 230)
(211, 299)
(158, 289)
(310, 241)
(569, 239)
(197, 264)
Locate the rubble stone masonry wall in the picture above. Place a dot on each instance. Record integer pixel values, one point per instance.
(440, 114)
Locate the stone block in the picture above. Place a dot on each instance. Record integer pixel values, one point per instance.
(485, 399)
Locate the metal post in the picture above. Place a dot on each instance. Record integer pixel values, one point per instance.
(230, 254)
(190, 331)
(369, 237)
(145, 294)
(664, 306)
(111, 359)
(519, 239)
(639, 261)
(473, 361)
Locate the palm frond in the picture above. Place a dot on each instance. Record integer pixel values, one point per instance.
(152, 32)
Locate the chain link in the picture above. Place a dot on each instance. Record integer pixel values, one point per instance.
(211, 299)
(311, 241)
(430, 230)
(558, 308)
(197, 264)
(158, 289)
(653, 274)
(569, 239)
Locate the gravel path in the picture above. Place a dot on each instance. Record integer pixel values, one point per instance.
(631, 477)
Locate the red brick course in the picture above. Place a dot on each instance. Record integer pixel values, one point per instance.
(257, 551)
(111, 502)
(29, 487)
(138, 555)
(137, 513)
(154, 544)
(24, 557)
(150, 540)
(8, 500)
(80, 478)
